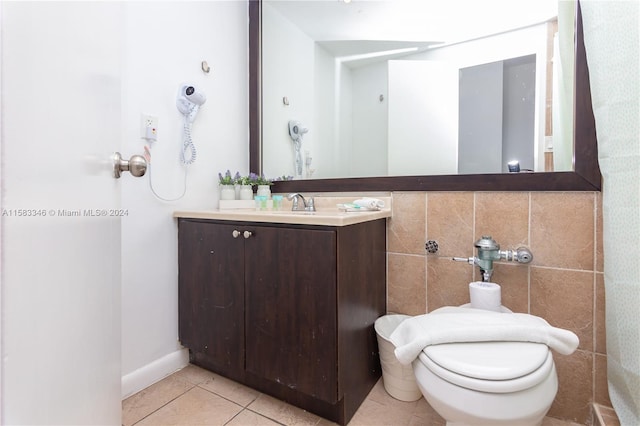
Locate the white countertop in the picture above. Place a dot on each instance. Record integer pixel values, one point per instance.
(327, 217)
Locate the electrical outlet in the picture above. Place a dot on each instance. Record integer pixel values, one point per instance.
(149, 127)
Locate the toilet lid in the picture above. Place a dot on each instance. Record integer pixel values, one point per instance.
(490, 366)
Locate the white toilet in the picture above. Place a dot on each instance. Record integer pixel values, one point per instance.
(488, 383)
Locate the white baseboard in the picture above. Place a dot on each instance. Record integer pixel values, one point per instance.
(154, 372)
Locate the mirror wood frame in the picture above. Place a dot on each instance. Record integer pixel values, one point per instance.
(585, 177)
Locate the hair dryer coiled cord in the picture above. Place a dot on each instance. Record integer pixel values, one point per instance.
(188, 148)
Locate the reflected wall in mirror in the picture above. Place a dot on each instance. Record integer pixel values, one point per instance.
(307, 92)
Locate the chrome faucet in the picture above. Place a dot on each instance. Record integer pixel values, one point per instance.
(307, 205)
(489, 251)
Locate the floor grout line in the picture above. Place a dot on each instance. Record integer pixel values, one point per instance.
(167, 403)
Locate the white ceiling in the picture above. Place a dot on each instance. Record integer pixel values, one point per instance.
(346, 28)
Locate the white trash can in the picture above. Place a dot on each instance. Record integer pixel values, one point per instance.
(398, 380)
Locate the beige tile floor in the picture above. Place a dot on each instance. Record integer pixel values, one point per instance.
(194, 396)
(605, 416)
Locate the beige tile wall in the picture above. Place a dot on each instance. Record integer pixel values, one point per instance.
(563, 284)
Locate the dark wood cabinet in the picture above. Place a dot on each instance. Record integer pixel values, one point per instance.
(211, 296)
(288, 310)
(290, 302)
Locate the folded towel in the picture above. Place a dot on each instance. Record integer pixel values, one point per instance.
(458, 324)
(369, 203)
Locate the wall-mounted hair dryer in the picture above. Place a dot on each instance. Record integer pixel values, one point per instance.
(188, 101)
(296, 131)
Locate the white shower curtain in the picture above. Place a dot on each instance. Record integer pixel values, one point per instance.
(611, 40)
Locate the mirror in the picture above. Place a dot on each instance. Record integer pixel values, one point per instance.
(584, 176)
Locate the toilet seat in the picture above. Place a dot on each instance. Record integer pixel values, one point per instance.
(497, 367)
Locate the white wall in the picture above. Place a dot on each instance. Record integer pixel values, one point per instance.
(165, 44)
(288, 64)
(563, 82)
(423, 118)
(370, 120)
(343, 95)
(324, 140)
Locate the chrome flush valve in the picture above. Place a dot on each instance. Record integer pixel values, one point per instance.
(489, 251)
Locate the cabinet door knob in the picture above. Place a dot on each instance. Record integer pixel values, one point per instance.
(247, 234)
(235, 233)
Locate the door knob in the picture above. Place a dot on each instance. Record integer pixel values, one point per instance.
(235, 233)
(136, 165)
(246, 234)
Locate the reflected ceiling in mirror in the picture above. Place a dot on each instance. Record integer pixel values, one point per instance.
(383, 87)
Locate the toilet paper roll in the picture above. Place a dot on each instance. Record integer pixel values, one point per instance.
(487, 296)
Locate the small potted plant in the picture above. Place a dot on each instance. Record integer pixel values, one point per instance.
(227, 185)
(246, 186)
(264, 186)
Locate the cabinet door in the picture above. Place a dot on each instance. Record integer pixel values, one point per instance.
(291, 309)
(211, 295)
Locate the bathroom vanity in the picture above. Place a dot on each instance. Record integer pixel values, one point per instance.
(285, 303)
